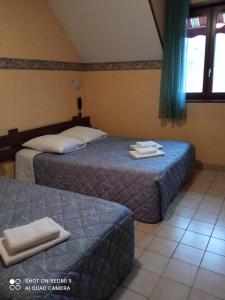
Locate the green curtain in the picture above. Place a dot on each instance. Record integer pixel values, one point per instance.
(173, 97)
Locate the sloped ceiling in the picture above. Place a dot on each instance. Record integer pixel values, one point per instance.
(159, 10)
(109, 30)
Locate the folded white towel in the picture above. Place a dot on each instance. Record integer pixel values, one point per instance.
(148, 144)
(10, 259)
(137, 155)
(30, 235)
(146, 150)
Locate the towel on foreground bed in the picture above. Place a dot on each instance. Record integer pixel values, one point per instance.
(10, 258)
(137, 155)
(148, 144)
(30, 235)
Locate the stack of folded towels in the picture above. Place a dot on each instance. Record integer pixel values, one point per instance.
(146, 149)
(24, 241)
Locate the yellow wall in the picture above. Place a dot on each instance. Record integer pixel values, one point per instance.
(126, 103)
(30, 98)
(35, 98)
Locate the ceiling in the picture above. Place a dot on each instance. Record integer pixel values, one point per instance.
(109, 30)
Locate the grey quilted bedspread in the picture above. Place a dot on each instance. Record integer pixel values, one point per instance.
(96, 258)
(103, 169)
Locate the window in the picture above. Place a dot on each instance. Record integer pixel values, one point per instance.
(205, 73)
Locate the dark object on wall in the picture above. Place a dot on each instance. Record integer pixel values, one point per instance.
(79, 106)
(11, 143)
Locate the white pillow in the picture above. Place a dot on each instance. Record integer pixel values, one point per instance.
(54, 143)
(86, 134)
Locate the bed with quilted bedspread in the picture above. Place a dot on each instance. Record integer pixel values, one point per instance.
(104, 169)
(92, 262)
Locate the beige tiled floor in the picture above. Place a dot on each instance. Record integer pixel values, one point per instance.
(183, 257)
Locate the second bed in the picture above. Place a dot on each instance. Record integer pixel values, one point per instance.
(104, 169)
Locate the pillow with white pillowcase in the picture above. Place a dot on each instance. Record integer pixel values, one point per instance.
(54, 144)
(86, 134)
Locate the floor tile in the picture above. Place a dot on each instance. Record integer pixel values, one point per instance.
(213, 198)
(205, 217)
(221, 220)
(199, 188)
(204, 172)
(209, 173)
(202, 179)
(162, 246)
(153, 262)
(214, 262)
(138, 252)
(184, 211)
(220, 174)
(189, 254)
(201, 227)
(216, 246)
(170, 290)
(216, 192)
(194, 195)
(190, 202)
(178, 221)
(156, 243)
(141, 281)
(180, 271)
(199, 295)
(218, 185)
(149, 228)
(142, 239)
(222, 213)
(204, 183)
(195, 240)
(219, 180)
(125, 294)
(170, 232)
(180, 195)
(219, 232)
(211, 206)
(211, 283)
(135, 223)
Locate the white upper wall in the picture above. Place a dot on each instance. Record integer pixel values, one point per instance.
(109, 30)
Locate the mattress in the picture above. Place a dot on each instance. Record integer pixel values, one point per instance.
(104, 169)
(89, 265)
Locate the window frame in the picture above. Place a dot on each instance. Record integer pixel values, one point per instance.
(211, 11)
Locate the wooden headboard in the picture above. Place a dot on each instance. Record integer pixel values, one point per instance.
(13, 141)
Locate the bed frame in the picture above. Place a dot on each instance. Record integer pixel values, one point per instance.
(13, 141)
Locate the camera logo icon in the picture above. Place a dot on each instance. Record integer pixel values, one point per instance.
(15, 284)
